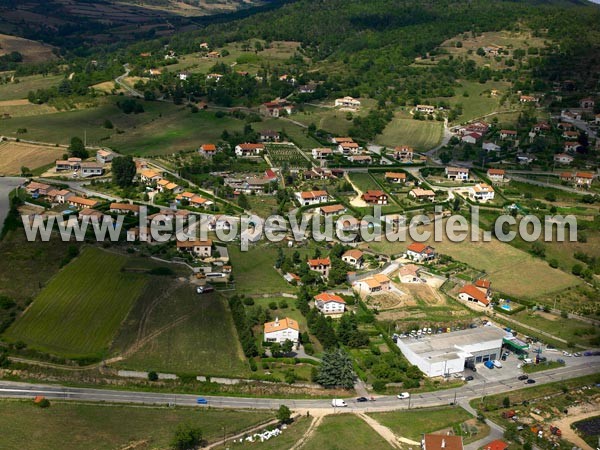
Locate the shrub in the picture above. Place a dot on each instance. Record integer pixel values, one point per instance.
(273, 305)
(283, 304)
(248, 301)
(152, 376)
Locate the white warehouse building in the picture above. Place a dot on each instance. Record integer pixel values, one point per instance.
(444, 354)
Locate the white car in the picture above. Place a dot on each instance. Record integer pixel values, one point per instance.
(403, 395)
(567, 354)
(497, 364)
(338, 403)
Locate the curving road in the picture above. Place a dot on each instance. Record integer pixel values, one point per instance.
(462, 395)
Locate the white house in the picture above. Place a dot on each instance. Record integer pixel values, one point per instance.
(248, 149)
(332, 210)
(197, 247)
(282, 330)
(426, 109)
(471, 138)
(563, 158)
(330, 304)
(417, 251)
(321, 153)
(481, 192)
(320, 265)
(404, 153)
(508, 134)
(457, 173)
(104, 156)
(91, 169)
(353, 257)
(311, 197)
(422, 194)
(409, 273)
(491, 147)
(347, 102)
(150, 176)
(372, 285)
(470, 293)
(496, 175)
(395, 177)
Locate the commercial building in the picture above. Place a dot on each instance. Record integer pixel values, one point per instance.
(444, 354)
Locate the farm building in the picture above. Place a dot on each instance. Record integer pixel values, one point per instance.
(444, 354)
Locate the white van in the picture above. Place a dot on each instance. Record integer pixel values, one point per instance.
(338, 403)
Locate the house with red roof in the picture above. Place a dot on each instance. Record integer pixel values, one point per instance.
(471, 293)
(312, 197)
(584, 179)
(508, 134)
(498, 444)
(320, 265)
(496, 175)
(417, 251)
(330, 304)
(249, 149)
(353, 257)
(375, 197)
(207, 150)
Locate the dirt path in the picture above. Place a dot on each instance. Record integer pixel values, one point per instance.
(381, 430)
(569, 434)
(356, 201)
(251, 430)
(311, 430)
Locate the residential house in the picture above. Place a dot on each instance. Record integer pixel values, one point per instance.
(508, 134)
(200, 202)
(425, 109)
(491, 147)
(571, 135)
(276, 108)
(347, 102)
(248, 149)
(208, 150)
(197, 247)
(270, 136)
(563, 158)
(417, 251)
(571, 146)
(528, 99)
(353, 257)
(282, 330)
(404, 153)
(348, 148)
(68, 164)
(320, 265)
(372, 285)
(480, 127)
(360, 159)
(307, 89)
(471, 138)
(375, 197)
(457, 173)
(332, 210)
(166, 186)
(422, 194)
(565, 126)
(339, 140)
(62, 196)
(214, 76)
(441, 442)
(584, 179)
(183, 76)
(213, 54)
(154, 72)
(496, 175)
(91, 213)
(481, 192)
(311, 197)
(566, 176)
(395, 177)
(471, 293)
(80, 202)
(124, 208)
(321, 153)
(597, 119)
(91, 169)
(587, 103)
(409, 273)
(104, 156)
(36, 189)
(149, 176)
(541, 128)
(484, 286)
(497, 444)
(330, 304)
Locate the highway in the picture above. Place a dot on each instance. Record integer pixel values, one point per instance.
(588, 366)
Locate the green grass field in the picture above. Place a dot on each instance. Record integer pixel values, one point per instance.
(71, 426)
(79, 311)
(183, 332)
(510, 269)
(420, 134)
(337, 431)
(363, 181)
(478, 101)
(14, 91)
(290, 436)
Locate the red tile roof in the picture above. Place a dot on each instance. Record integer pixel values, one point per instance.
(319, 262)
(326, 297)
(472, 291)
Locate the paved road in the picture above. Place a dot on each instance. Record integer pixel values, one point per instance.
(7, 184)
(129, 89)
(462, 395)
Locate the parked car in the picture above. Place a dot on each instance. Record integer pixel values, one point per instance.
(576, 354)
(567, 354)
(497, 364)
(530, 381)
(403, 395)
(523, 377)
(489, 364)
(201, 401)
(204, 289)
(362, 399)
(338, 403)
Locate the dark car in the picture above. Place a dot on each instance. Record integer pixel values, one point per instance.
(362, 399)
(469, 378)
(530, 381)
(523, 377)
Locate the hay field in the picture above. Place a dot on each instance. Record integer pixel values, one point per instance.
(14, 155)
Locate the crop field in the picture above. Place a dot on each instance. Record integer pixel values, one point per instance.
(174, 329)
(336, 431)
(21, 87)
(286, 154)
(32, 51)
(363, 181)
(79, 311)
(71, 426)
(14, 155)
(503, 263)
(420, 134)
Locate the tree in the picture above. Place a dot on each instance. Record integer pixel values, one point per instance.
(123, 171)
(284, 414)
(336, 370)
(506, 402)
(108, 124)
(187, 437)
(77, 148)
(287, 346)
(152, 376)
(243, 201)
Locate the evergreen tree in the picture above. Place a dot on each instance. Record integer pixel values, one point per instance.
(123, 171)
(77, 149)
(336, 370)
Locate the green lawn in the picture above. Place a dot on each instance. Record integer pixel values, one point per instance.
(290, 436)
(14, 91)
(479, 102)
(184, 332)
(412, 424)
(363, 181)
(420, 134)
(71, 426)
(338, 431)
(79, 311)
